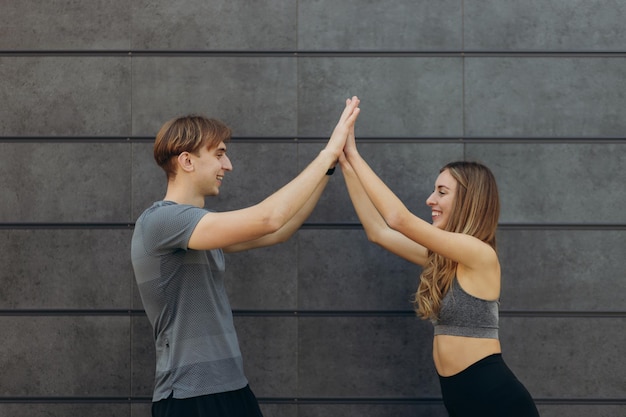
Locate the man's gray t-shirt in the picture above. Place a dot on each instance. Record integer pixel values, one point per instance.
(197, 352)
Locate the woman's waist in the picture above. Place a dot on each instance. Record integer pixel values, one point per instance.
(453, 354)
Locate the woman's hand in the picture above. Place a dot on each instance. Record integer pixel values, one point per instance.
(337, 140)
(350, 146)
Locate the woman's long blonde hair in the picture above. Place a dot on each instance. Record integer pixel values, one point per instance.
(475, 212)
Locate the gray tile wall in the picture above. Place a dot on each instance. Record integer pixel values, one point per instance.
(534, 89)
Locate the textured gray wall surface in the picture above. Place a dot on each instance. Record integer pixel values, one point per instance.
(534, 89)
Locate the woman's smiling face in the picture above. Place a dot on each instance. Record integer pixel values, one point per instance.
(441, 201)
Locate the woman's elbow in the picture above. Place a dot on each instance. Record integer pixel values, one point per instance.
(373, 235)
(396, 220)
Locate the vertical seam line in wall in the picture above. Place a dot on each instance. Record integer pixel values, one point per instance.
(463, 110)
(297, 246)
(297, 19)
(130, 345)
(132, 219)
(130, 209)
(132, 176)
(297, 393)
(297, 135)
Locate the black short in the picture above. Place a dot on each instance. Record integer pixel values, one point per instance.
(239, 403)
(487, 388)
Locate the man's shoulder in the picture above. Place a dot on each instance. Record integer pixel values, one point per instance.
(167, 226)
(168, 209)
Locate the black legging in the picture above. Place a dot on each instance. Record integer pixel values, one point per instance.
(487, 388)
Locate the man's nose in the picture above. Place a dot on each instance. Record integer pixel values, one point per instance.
(226, 164)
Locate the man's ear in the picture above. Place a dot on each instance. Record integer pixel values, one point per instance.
(184, 162)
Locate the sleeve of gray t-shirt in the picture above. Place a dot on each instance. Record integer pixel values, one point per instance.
(169, 227)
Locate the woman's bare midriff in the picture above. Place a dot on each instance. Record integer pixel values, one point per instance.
(452, 354)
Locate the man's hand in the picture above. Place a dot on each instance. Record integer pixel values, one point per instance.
(346, 122)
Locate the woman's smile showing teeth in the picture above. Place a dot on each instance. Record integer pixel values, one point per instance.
(441, 201)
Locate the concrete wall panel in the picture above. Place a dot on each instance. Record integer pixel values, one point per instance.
(401, 97)
(255, 95)
(557, 183)
(572, 357)
(367, 277)
(65, 25)
(558, 410)
(545, 97)
(65, 356)
(366, 410)
(536, 25)
(45, 97)
(65, 269)
(216, 25)
(562, 270)
(360, 357)
(265, 278)
(373, 25)
(65, 182)
(270, 358)
(45, 410)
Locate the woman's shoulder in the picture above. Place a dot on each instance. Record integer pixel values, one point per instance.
(481, 282)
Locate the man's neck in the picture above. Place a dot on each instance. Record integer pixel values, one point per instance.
(183, 195)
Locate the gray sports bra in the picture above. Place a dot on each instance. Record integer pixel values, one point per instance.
(462, 314)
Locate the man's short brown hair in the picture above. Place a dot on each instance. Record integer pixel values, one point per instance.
(187, 134)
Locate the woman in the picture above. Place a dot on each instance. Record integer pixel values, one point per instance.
(460, 281)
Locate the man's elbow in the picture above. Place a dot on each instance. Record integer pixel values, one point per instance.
(272, 224)
(276, 220)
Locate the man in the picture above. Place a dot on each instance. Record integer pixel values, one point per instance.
(177, 254)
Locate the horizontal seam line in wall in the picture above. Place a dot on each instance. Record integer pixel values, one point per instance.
(306, 313)
(305, 400)
(418, 401)
(314, 54)
(308, 226)
(501, 226)
(76, 225)
(316, 139)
